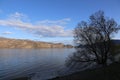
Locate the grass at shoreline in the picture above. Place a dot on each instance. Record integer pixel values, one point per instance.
(112, 72)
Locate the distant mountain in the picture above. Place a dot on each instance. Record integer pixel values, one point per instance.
(117, 42)
(19, 43)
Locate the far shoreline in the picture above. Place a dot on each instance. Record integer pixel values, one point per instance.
(29, 44)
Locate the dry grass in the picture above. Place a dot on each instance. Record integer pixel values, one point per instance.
(112, 72)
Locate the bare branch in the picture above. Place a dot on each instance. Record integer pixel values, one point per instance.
(95, 38)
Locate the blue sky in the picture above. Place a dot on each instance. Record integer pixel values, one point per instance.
(50, 20)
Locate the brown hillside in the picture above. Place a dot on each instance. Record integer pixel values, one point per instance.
(18, 43)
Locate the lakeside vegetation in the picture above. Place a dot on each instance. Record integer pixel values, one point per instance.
(111, 72)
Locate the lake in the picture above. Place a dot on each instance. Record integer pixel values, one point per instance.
(39, 64)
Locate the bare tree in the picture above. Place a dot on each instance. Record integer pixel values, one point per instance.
(93, 40)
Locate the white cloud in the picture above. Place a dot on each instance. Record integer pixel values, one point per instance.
(45, 28)
(54, 22)
(18, 16)
(7, 32)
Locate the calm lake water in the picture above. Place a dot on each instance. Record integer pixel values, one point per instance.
(40, 64)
